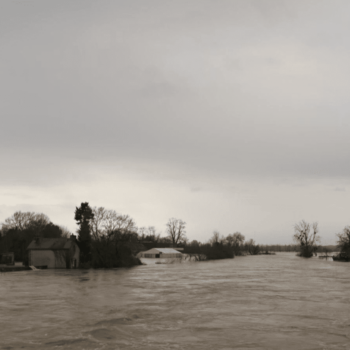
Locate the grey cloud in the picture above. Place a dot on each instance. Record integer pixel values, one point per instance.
(155, 81)
(340, 189)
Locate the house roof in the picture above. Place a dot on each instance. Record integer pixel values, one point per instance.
(163, 251)
(50, 244)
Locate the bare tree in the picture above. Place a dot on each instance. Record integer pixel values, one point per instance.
(97, 222)
(306, 238)
(22, 221)
(110, 232)
(236, 241)
(251, 247)
(215, 238)
(176, 230)
(149, 233)
(120, 222)
(18, 220)
(106, 222)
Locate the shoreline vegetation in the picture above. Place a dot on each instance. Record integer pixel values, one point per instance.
(107, 239)
(306, 235)
(344, 245)
(221, 247)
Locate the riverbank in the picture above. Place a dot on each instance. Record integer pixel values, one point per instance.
(342, 257)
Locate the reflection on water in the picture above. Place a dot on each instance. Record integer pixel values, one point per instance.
(257, 302)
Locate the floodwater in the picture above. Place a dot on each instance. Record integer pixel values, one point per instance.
(254, 302)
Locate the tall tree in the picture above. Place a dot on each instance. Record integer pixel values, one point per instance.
(176, 230)
(83, 216)
(306, 238)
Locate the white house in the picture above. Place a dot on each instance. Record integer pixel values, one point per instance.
(161, 253)
(54, 253)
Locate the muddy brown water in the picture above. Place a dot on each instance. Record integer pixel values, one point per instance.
(255, 302)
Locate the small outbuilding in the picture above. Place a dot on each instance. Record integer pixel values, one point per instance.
(161, 253)
(53, 253)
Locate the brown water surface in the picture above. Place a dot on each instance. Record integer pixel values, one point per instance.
(255, 302)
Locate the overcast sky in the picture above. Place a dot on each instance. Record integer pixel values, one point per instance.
(231, 115)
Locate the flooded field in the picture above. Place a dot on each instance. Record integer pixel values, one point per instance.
(255, 302)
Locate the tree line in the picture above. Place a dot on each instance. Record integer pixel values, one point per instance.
(221, 247)
(108, 239)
